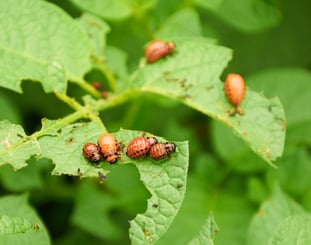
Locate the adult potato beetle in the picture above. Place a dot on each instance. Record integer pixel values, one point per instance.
(158, 49)
(140, 146)
(161, 150)
(234, 87)
(109, 148)
(91, 152)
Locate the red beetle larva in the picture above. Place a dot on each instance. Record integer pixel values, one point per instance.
(235, 91)
(140, 146)
(158, 49)
(161, 150)
(91, 152)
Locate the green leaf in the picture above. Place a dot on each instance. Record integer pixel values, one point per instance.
(271, 214)
(19, 223)
(191, 75)
(13, 225)
(293, 230)
(114, 9)
(246, 15)
(15, 146)
(184, 22)
(95, 203)
(207, 234)
(295, 170)
(116, 62)
(97, 30)
(64, 148)
(233, 150)
(279, 82)
(196, 205)
(107, 9)
(166, 181)
(233, 213)
(39, 42)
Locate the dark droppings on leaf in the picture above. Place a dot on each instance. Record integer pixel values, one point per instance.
(73, 129)
(101, 177)
(185, 97)
(59, 131)
(79, 172)
(19, 135)
(209, 88)
(179, 185)
(155, 205)
(185, 85)
(70, 140)
(165, 73)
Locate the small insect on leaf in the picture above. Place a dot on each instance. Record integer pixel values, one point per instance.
(91, 152)
(235, 91)
(158, 49)
(161, 150)
(108, 146)
(140, 146)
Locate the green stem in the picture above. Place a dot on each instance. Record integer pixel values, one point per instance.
(68, 100)
(87, 87)
(87, 112)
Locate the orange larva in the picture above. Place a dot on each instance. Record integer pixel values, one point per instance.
(91, 152)
(235, 91)
(161, 150)
(109, 147)
(140, 146)
(158, 49)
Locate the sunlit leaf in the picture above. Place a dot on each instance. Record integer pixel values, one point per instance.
(40, 42)
(191, 75)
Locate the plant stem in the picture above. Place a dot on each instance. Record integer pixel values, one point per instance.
(87, 112)
(87, 87)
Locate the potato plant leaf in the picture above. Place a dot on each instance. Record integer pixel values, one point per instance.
(107, 9)
(207, 233)
(248, 16)
(65, 149)
(271, 216)
(191, 75)
(14, 225)
(40, 42)
(19, 223)
(293, 230)
(15, 146)
(166, 181)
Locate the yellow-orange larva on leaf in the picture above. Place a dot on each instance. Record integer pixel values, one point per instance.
(158, 49)
(235, 91)
(108, 146)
